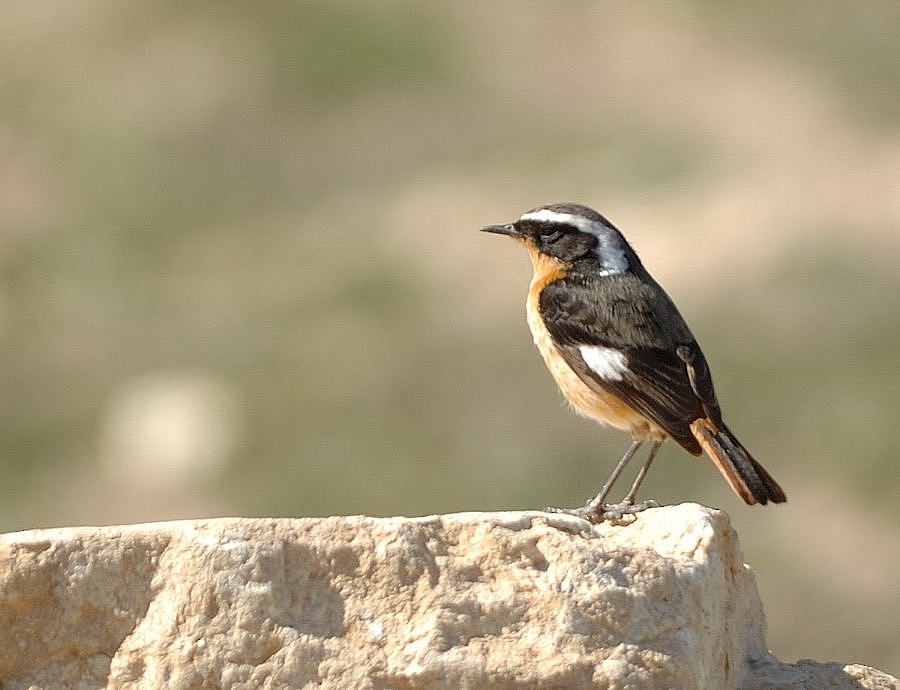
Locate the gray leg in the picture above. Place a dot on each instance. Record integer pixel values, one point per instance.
(595, 505)
(617, 511)
(632, 492)
(594, 508)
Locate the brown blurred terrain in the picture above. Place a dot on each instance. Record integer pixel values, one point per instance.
(240, 272)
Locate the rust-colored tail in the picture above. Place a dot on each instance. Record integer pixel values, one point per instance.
(744, 474)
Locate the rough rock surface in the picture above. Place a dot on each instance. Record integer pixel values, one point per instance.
(484, 601)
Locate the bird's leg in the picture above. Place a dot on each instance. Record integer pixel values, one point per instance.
(628, 506)
(595, 505)
(632, 492)
(593, 509)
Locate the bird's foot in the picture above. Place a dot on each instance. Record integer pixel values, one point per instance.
(616, 513)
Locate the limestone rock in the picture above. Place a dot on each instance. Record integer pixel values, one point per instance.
(481, 601)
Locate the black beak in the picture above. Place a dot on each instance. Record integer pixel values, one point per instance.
(509, 229)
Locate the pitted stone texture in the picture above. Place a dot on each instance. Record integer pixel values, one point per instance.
(484, 601)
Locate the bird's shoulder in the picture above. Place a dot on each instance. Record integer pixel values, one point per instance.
(623, 310)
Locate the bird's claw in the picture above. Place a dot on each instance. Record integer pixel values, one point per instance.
(615, 513)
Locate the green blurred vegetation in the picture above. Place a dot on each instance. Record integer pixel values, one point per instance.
(275, 205)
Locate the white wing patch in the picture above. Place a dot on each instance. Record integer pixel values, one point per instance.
(605, 362)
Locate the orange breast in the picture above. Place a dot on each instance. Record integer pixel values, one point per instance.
(599, 406)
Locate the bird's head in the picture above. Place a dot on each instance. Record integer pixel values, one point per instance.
(571, 234)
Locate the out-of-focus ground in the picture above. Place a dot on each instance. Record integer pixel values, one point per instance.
(240, 272)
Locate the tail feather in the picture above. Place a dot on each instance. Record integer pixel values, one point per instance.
(744, 474)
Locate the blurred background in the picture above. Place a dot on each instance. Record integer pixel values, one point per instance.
(240, 272)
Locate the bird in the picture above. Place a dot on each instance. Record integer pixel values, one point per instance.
(621, 353)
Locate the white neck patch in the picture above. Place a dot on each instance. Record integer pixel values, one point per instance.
(610, 248)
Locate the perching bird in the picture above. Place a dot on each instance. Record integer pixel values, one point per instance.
(620, 351)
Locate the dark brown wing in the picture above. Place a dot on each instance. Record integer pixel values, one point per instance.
(664, 375)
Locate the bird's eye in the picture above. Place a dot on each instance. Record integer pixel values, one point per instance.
(551, 237)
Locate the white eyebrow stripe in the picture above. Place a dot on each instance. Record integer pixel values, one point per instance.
(610, 252)
(605, 362)
(545, 215)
